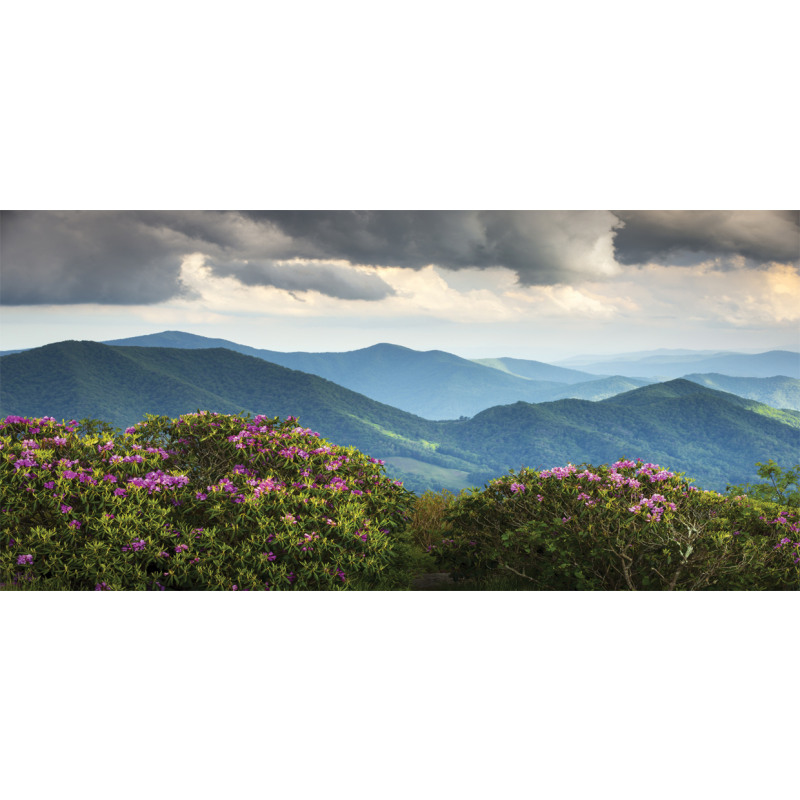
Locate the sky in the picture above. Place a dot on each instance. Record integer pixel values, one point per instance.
(543, 285)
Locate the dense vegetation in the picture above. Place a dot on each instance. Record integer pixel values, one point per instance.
(205, 501)
(210, 501)
(714, 436)
(630, 525)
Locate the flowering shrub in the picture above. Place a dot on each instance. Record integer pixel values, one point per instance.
(206, 501)
(630, 525)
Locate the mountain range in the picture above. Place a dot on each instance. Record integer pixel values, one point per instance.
(714, 436)
(432, 384)
(663, 366)
(437, 385)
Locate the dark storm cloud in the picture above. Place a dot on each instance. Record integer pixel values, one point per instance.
(84, 257)
(134, 257)
(129, 258)
(689, 237)
(333, 280)
(542, 247)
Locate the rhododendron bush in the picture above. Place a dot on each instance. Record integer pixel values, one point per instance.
(206, 501)
(630, 525)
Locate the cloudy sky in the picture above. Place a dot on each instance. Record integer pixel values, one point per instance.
(536, 284)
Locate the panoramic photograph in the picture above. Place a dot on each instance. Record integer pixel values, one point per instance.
(400, 400)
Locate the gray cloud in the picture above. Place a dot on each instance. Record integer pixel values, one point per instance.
(689, 237)
(84, 257)
(542, 247)
(333, 280)
(127, 258)
(134, 257)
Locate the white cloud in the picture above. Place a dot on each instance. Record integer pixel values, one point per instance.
(714, 291)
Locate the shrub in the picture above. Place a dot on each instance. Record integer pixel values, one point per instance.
(206, 501)
(777, 488)
(631, 525)
(427, 523)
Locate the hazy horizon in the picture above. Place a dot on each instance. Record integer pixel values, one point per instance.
(577, 358)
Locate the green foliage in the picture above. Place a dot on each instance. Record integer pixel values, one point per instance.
(428, 524)
(777, 487)
(96, 428)
(205, 501)
(626, 526)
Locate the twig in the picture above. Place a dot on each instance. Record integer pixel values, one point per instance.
(521, 574)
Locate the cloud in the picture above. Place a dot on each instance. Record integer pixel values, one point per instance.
(737, 298)
(541, 247)
(684, 238)
(335, 279)
(65, 257)
(135, 257)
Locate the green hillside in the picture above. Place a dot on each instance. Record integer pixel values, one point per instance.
(714, 437)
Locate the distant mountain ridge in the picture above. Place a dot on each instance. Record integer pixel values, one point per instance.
(535, 370)
(432, 384)
(778, 391)
(437, 385)
(713, 436)
(740, 365)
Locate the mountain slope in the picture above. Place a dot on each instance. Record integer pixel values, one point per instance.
(535, 370)
(760, 365)
(439, 385)
(713, 436)
(778, 391)
(598, 389)
(431, 384)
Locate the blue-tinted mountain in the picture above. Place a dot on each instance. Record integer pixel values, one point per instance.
(598, 389)
(431, 384)
(778, 391)
(536, 370)
(760, 365)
